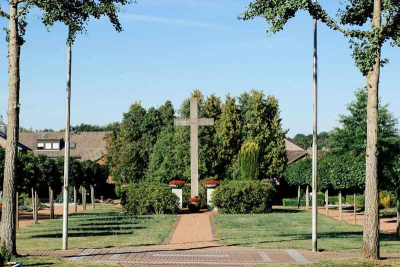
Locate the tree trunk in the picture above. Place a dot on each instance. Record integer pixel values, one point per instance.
(51, 200)
(36, 207)
(9, 185)
(84, 198)
(298, 197)
(340, 204)
(75, 199)
(355, 207)
(92, 196)
(398, 214)
(17, 210)
(33, 203)
(370, 245)
(308, 198)
(327, 202)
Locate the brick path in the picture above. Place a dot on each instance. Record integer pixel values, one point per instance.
(192, 244)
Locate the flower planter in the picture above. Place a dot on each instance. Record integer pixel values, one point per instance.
(211, 185)
(176, 184)
(194, 206)
(13, 264)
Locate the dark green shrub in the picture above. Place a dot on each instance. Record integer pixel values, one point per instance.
(292, 202)
(5, 255)
(149, 198)
(60, 197)
(335, 200)
(360, 200)
(243, 197)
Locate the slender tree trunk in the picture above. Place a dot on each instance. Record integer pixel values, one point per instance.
(308, 197)
(355, 207)
(33, 203)
(17, 210)
(36, 207)
(9, 185)
(298, 197)
(51, 200)
(398, 214)
(340, 204)
(327, 202)
(75, 199)
(92, 196)
(84, 198)
(370, 245)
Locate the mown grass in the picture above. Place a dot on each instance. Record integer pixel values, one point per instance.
(285, 228)
(53, 261)
(102, 227)
(344, 263)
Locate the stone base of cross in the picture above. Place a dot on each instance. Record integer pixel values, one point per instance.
(194, 122)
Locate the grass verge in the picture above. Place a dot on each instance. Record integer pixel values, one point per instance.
(285, 228)
(101, 227)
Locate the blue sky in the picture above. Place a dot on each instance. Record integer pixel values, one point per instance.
(170, 47)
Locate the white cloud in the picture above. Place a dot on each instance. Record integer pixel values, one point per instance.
(164, 20)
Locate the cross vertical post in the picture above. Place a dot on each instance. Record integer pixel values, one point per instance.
(194, 122)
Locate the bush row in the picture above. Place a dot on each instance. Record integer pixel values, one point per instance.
(292, 202)
(149, 198)
(243, 197)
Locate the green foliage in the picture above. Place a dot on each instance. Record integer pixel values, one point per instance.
(360, 201)
(5, 255)
(60, 197)
(299, 173)
(244, 197)
(248, 161)
(353, 134)
(130, 148)
(305, 141)
(148, 198)
(292, 202)
(262, 124)
(334, 200)
(386, 199)
(365, 38)
(111, 127)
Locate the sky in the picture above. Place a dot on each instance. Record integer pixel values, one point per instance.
(170, 47)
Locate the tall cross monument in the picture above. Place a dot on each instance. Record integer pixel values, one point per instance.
(194, 122)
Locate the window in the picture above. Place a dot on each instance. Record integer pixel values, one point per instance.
(56, 146)
(72, 145)
(40, 146)
(48, 146)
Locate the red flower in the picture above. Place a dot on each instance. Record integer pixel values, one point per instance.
(176, 182)
(194, 199)
(211, 182)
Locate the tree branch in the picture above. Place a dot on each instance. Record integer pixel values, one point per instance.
(22, 10)
(4, 14)
(386, 24)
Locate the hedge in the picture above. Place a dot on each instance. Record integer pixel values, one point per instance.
(292, 202)
(360, 199)
(149, 198)
(243, 197)
(335, 200)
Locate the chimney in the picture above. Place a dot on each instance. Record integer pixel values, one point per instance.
(3, 127)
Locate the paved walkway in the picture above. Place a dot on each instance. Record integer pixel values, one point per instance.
(192, 244)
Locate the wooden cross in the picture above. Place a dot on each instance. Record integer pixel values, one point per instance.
(194, 122)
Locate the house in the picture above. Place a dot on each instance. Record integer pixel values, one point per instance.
(83, 145)
(3, 137)
(294, 152)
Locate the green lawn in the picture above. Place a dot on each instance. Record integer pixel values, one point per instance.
(52, 261)
(344, 263)
(102, 227)
(286, 228)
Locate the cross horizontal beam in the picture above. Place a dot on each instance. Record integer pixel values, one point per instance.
(193, 122)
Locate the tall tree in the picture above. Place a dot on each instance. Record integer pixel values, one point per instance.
(261, 124)
(369, 24)
(228, 129)
(73, 13)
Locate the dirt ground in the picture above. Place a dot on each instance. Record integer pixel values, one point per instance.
(26, 218)
(387, 224)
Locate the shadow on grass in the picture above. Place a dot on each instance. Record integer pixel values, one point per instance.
(278, 210)
(127, 231)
